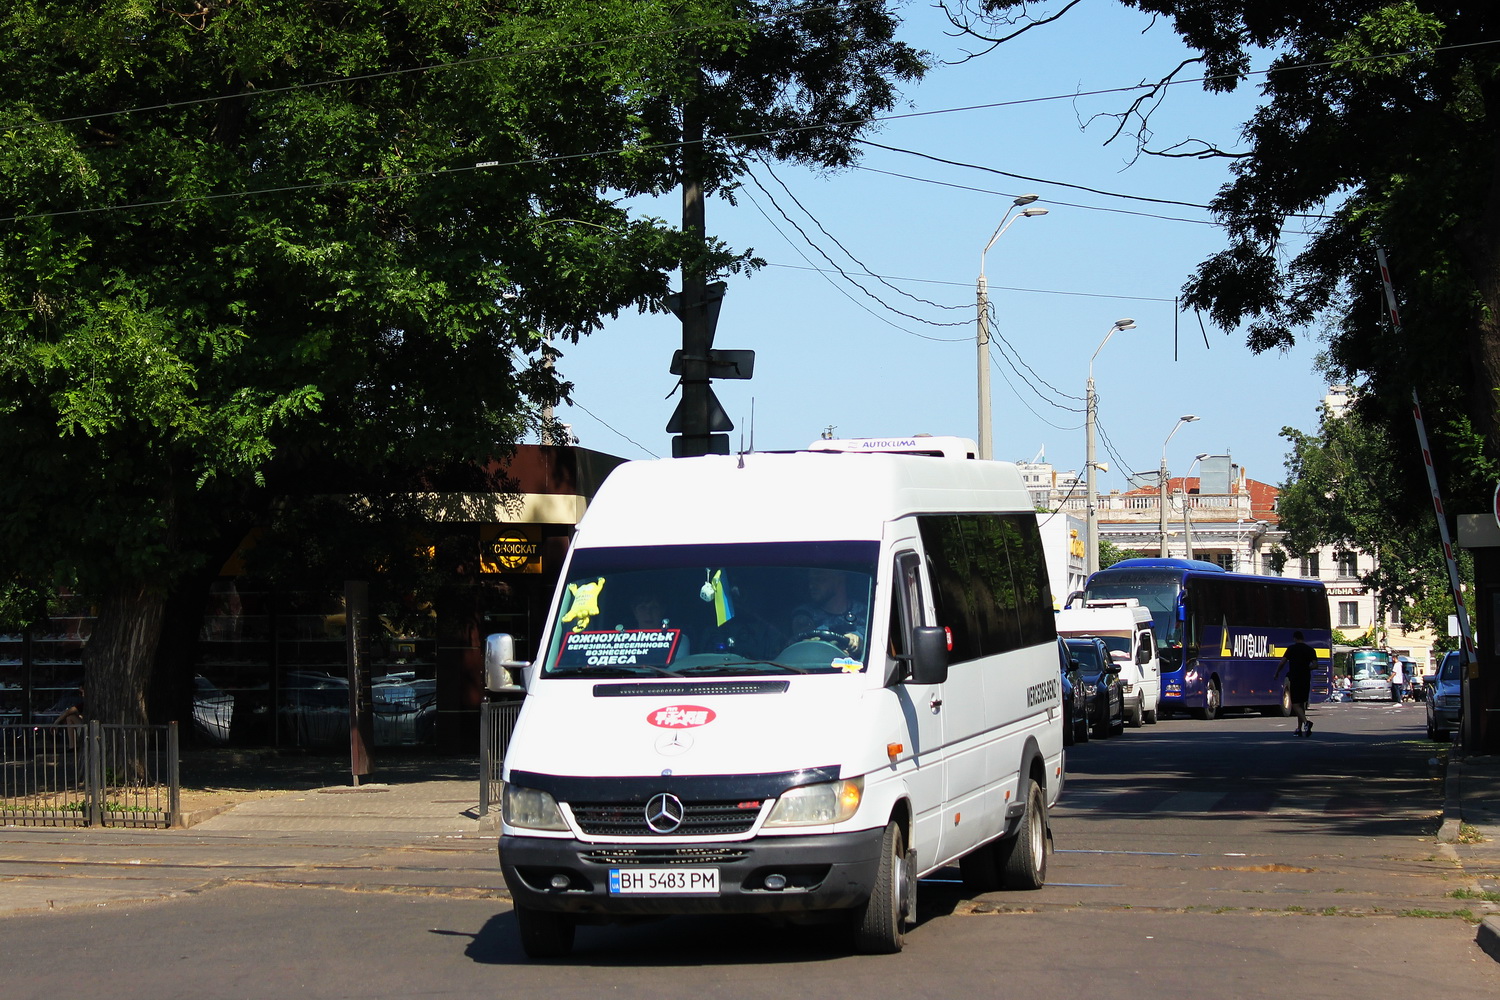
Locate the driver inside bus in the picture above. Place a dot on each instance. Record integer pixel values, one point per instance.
(831, 613)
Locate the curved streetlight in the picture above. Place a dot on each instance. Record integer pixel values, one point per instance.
(1028, 211)
(1184, 419)
(1091, 503)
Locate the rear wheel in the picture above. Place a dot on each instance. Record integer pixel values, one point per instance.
(1210, 709)
(1285, 708)
(880, 925)
(544, 934)
(1023, 858)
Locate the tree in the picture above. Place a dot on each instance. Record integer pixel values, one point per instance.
(251, 249)
(1379, 128)
(1337, 480)
(1110, 553)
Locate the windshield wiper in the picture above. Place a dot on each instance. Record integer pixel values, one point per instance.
(738, 667)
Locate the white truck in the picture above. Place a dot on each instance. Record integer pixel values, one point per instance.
(1126, 628)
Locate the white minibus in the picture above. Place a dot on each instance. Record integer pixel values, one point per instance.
(787, 684)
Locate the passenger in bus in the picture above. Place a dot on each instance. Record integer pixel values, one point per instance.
(1298, 663)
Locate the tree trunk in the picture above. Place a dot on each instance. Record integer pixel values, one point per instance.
(121, 650)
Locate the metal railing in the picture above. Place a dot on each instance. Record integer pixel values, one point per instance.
(89, 775)
(497, 721)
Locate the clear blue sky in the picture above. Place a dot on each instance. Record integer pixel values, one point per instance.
(828, 354)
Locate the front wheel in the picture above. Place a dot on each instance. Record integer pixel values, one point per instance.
(1137, 713)
(544, 934)
(880, 925)
(1023, 858)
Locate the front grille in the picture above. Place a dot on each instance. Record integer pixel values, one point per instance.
(700, 819)
(664, 856)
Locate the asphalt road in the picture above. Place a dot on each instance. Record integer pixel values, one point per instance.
(1192, 858)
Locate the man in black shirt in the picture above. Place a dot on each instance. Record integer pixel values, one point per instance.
(1298, 663)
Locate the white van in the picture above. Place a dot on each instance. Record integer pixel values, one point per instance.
(786, 684)
(1127, 630)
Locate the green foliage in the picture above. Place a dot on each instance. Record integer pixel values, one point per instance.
(1378, 127)
(1340, 491)
(255, 250)
(1110, 553)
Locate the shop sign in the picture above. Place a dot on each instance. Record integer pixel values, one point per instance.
(1346, 591)
(510, 549)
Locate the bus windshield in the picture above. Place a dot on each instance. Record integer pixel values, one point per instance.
(1156, 590)
(714, 610)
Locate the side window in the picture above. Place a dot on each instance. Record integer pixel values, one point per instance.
(906, 612)
(948, 567)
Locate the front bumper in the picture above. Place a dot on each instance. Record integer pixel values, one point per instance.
(822, 872)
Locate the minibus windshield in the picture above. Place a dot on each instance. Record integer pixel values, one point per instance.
(714, 610)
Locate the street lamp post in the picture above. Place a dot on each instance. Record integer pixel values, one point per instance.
(986, 449)
(1091, 503)
(1185, 419)
(1187, 520)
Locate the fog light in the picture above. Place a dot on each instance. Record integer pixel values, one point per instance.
(775, 882)
(560, 882)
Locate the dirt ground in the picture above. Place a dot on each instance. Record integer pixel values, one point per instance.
(225, 777)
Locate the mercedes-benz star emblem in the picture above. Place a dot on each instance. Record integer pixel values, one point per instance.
(664, 813)
(674, 742)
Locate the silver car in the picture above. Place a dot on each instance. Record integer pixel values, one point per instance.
(1445, 697)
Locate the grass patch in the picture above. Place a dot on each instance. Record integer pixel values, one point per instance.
(1469, 834)
(1486, 896)
(1439, 914)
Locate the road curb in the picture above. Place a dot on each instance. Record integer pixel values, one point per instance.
(1488, 937)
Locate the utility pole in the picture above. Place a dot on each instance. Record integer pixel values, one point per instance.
(699, 419)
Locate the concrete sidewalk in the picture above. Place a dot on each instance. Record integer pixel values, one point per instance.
(1471, 831)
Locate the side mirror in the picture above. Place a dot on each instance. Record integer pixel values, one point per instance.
(929, 655)
(502, 671)
(1112, 668)
(1143, 655)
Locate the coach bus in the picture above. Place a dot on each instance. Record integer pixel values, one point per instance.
(1221, 635)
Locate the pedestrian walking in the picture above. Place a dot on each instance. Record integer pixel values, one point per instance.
(1298, 663)
(1398, 681)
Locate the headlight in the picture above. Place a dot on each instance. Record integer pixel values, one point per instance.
(531, 809)
(818, 805)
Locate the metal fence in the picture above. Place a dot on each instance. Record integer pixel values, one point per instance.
(497, 721)
(89, 775)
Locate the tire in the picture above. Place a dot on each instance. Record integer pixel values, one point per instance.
(1434, 731)
(1070, 731)
(1150, 716)
(1081, 727)
(1211, 706)
(1104, 724)
(545, 934)
(880, 925)
(1137, 716)
(1283, 710)
(1022, 859)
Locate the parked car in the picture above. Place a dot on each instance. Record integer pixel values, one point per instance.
(1445, 696)
(1102, 687)
(1075, 701)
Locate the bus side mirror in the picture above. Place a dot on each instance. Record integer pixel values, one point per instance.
(929, 655)
(502, 671)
